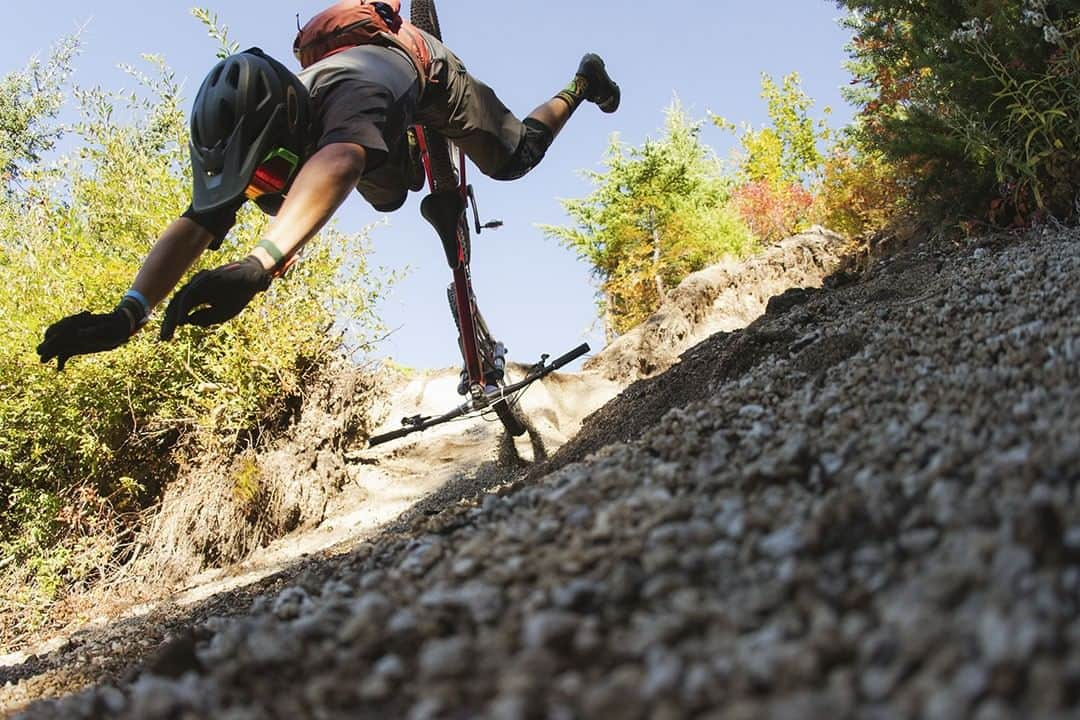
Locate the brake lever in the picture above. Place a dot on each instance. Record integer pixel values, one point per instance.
(537, 367)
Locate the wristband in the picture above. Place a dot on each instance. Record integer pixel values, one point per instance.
(140, 298)
(273, 251)
(134, 311)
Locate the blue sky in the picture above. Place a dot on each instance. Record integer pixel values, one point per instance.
(536, 295)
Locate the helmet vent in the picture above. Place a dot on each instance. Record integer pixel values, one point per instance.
(264, 88)
(293, 105)
(233, 78)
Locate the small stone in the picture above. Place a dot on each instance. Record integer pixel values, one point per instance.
(579, 594)
(390, 666)
(375, 688)
(421, 558)
(445, 658)
(112, 699)
(831, 463)
(1003, 640)
(751, 412)
(368, 616)
(268, 647)
(290, 603)
(508, 707)
(153, 697)
(920, 540)
(427, 708)
(175, 656)
(993, 710)
(663, 673)
(782, 543)
(550, 629)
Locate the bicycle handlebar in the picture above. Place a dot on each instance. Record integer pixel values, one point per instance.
(533, 376)
(569, 357)
(387, 437)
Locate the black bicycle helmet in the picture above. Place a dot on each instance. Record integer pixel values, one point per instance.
(248, 105)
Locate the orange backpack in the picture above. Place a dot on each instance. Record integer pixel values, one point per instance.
(349, 23)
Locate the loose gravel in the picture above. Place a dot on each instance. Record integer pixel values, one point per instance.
(862, 506)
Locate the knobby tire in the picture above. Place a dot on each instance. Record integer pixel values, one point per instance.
(422, 14)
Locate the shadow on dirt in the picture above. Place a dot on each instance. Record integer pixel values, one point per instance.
(163, 640)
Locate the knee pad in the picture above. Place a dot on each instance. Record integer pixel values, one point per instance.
(530, 151)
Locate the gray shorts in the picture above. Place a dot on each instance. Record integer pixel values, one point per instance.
(468, 112)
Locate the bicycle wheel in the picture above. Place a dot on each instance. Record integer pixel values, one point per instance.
(492, 355)
(422, 14)
(443, 176)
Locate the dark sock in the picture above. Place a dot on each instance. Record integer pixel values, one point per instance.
(575, 92)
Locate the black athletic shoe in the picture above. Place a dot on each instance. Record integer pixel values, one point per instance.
(601, 89)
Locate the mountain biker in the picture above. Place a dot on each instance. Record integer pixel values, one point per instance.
(298, 144)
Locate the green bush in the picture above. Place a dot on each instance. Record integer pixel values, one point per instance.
(657, 213)
(977, 102)
(779, 165)
(83, 451)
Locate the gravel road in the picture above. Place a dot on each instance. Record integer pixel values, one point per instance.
(864, 505)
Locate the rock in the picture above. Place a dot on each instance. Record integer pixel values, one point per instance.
(484, 602)
(611, 699)
(153, 698)
(367, 621)
(290, 603)
(550, 629)
(578, 595)
(919, 541)
(422, 556)
(443, 658)
(267, 647)
(783, 543)
(175, 656)
(663, 675)
(1003, 639)
(111, 699)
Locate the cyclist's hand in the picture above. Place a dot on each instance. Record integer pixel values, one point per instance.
(214, 296)
(83, 334)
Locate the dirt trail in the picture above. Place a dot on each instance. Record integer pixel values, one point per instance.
(390, 496)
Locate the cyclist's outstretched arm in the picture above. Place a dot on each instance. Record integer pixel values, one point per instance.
(214, 296)
(176, 250)
(324, 182)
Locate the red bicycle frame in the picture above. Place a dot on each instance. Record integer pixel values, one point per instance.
(457, 257)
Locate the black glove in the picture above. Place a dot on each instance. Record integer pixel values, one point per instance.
(214, 296)
(87, 333)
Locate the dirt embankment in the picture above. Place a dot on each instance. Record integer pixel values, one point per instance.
(862, 505)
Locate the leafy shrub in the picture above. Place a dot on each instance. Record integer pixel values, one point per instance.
(657, 213)
(975, 100)
(83, 451)
(780, 163)
(859, 194)
(772, 211)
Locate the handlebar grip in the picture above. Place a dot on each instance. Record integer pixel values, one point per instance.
(569, 357)
(392, 435)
